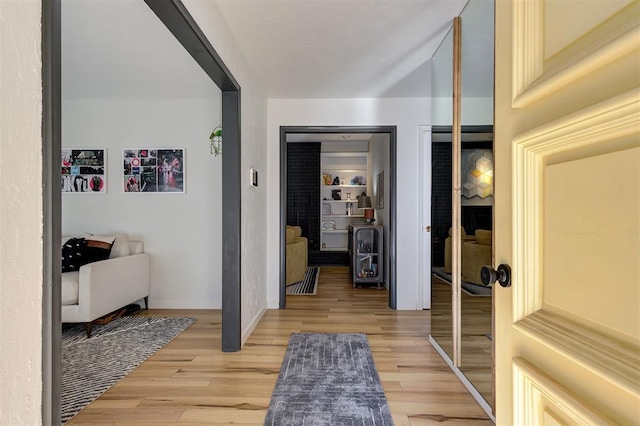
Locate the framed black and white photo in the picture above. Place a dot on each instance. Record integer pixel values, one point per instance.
(154, 170)
(84, 170)
(380, 191)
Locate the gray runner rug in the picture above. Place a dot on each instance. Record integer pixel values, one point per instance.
(91, 366)
(328, 379)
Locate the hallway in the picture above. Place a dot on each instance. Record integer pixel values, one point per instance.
(190, 381)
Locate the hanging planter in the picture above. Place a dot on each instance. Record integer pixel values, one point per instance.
(216, 141)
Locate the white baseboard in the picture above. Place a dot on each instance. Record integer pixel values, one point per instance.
(467, 384)
(182, 304)
(252, 326)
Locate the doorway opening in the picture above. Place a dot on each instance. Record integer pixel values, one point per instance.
(305, 210)
(174, 15)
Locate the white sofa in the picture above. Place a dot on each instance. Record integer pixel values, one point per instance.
(101, 287)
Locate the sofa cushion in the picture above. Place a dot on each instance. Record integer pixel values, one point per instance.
(73, 254)
(120, 246)
(291, 235)
(463, 233)
(483, 237)
(70, 285)
(136, 247)
(96, 248)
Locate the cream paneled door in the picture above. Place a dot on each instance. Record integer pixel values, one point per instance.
(567, 216)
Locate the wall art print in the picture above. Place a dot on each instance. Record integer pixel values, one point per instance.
(477, 177)
(154, 170)
(380, 190)
(84, 170)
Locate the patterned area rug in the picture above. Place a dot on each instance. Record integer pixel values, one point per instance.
(328, 379)
(308, 285)
(91, 366)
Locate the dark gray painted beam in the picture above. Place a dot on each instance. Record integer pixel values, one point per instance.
(52, 210)
(283, 217)
(179, 21)
(231, 203)
(393, 289)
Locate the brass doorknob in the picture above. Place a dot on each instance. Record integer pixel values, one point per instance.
(427, 228)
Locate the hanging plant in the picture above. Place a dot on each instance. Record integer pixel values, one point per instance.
(216, 141)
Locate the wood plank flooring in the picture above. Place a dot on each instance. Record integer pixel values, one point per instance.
(191, 382)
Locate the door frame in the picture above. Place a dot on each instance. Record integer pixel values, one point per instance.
(424, 292)
(181, 24)
(392, 131)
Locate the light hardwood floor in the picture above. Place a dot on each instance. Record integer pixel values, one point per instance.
(191, 382)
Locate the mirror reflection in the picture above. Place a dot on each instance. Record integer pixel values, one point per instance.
(441, 218)
(476, 204)
(470, 333)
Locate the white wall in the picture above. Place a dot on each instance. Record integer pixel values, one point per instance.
(181, 232)
(21, 213)
(474, 111)
(379, 161)
(407, 114)
(253, 154)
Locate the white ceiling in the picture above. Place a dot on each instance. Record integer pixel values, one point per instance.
(298, 48)
(340, 48)
(477, 55)
(120, 49)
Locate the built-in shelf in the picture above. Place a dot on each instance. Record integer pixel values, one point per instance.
(347, 167)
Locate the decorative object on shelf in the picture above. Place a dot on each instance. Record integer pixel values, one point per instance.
(328, 225)
(368, 215)
(216, 141)
(326, 208)
(336, 181)
(358, 180)
(343, 182)
(336, 194)
(349, 211)
(348, 195)
(327, 178)
(364, 202)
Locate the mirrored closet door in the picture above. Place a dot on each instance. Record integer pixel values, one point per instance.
(462, 198)
(441, 220)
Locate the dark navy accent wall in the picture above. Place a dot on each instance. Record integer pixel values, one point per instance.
(441, 163)
(303, 189)
(303, 199)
